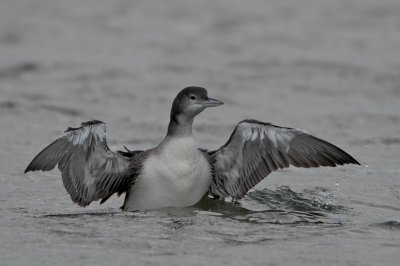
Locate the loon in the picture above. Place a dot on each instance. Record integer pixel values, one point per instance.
(176, 173)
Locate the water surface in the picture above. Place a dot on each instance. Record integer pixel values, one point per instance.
(329, 67)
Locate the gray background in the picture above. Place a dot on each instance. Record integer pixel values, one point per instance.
(329, 67)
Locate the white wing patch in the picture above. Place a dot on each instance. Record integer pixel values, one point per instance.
(79, 136)
(252, 132)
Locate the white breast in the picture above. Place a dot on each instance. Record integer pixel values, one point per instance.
(178, 176)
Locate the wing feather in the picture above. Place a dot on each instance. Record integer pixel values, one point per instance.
(255, 149)
(90, 170)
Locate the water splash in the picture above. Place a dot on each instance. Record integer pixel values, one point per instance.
(283, 198)
(282, 206)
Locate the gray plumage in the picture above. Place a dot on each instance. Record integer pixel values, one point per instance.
(255, 149)
(91, 171)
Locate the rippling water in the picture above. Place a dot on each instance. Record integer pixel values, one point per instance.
(330, 67)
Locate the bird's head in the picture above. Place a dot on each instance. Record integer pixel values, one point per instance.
(190, 102)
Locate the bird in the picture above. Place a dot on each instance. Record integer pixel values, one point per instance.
(176, 173)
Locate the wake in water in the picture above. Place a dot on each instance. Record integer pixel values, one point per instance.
(283, 198)
(280, 206)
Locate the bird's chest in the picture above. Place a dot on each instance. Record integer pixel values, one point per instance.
(179, 159)
(179, 175)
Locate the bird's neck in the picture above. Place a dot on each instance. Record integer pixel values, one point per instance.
(180, 126)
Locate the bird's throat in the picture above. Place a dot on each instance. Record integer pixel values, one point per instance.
(180, 127)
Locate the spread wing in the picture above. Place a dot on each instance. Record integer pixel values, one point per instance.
(90, 171)
(255, 149)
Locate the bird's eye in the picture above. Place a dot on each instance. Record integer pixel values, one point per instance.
(193, 97)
